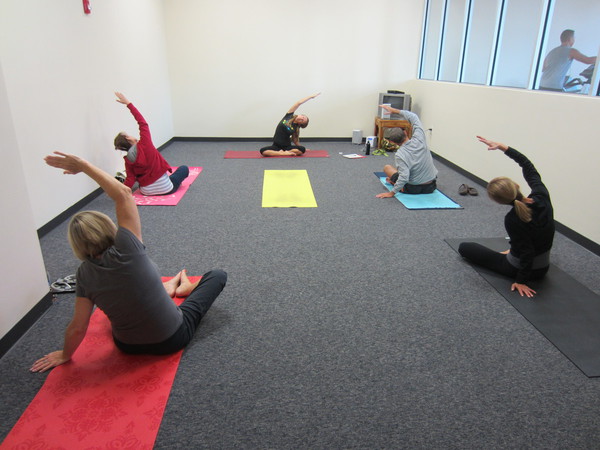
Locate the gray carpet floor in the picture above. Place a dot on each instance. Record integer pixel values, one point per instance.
(350, 325)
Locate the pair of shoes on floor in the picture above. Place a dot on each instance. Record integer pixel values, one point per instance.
(464, 189)
(66, 284)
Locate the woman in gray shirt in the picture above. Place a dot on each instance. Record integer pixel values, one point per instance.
(118, 276)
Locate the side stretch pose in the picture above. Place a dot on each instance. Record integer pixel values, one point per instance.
(529, 224)
(143, 162)
(118, 277)
(414, 172)
(286, 140)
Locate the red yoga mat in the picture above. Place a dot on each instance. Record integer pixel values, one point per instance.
(102, 398)
(255, 154)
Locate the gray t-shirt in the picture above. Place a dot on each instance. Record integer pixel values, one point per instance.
(126, 285)
(413, 159)
(557, 65)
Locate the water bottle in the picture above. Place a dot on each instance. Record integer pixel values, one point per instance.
(368, 148)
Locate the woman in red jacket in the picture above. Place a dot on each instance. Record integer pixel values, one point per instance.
(143, 163)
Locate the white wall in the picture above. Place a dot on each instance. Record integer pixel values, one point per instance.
(236, 67)
(558, 132)
(60, 69)
(23, 275)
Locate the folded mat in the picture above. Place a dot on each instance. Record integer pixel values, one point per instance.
(252, 154)
(565, 311)
(102, 398)
(287, 189)
(435, 200)
(170, 199)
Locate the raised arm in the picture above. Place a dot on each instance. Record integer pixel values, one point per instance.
(142, 124)
(296, 105)
(530, 173)
(126, 209)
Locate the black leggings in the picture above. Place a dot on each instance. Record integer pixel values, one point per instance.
(194, 307)
(427, 188)
(277, 147)
(493, 260)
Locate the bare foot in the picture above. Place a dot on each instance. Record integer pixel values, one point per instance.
(186, 286)
(172, 284)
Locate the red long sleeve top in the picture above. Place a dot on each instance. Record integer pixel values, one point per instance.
(149, 164)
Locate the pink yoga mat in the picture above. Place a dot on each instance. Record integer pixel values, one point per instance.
(171, 199)
(102, 398)
(252, 154)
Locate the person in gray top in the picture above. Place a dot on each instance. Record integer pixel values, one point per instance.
(118, 277)
(414, 172)
(558, 62)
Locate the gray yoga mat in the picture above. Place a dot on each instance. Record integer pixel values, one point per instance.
(565, 311)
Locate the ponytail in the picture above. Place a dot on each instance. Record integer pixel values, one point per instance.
(503, 190)
(522, 210)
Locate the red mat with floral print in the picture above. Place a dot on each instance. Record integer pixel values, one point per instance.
(102, 398)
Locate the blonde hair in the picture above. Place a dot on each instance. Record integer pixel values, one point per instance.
(91, 233)
(505, 191)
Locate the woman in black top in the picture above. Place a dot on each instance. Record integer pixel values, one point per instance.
(288, 132)
(529, 224)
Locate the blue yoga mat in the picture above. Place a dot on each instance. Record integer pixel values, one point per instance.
(436, 200)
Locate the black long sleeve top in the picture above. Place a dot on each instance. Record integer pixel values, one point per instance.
(528, 240)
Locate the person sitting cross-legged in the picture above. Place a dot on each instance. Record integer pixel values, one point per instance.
(414, 172)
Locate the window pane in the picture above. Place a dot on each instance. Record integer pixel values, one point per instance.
(431, 43)
(581, 16)
(519, 37)
(452, 42)
(481, 39)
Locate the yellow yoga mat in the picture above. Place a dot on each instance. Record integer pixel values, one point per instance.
(287, 189)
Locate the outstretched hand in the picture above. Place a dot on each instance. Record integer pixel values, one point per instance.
(310, 97)
(388, 194)
(70, 164)
(121, 98)
(523, 289)
(493, 145)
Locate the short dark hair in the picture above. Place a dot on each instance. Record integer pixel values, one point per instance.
(566, 35)
(121, 142)
(396, 135)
